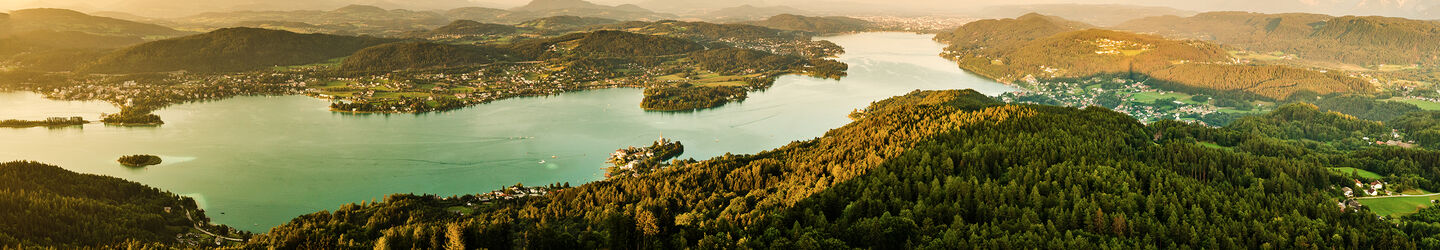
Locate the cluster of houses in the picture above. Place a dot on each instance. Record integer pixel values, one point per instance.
(626, 160)
(514, 192)
(1374, 188)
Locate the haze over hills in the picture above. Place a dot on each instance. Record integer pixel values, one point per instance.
(1098, 15)
(1363, 41)
(60, 20)
(1042, 47)
(818, 25)
(1423, 9)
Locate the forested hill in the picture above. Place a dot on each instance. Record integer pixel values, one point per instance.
(231, 49)
(931, 169)
(1035, 47)
(818, 25)
(605, 43)
(421, 55)
(995, 36)
(1364, 41)
(45, 206)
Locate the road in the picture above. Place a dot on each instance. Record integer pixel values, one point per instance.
(202, 230)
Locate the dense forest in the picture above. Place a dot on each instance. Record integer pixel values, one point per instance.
(943, 169)
(421, 55)
(1363, 41)
(46, 206)
(817, 25)
(604, 43)
(230, 50)
(1036, 47)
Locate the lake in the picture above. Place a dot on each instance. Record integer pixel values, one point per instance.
(256, 162)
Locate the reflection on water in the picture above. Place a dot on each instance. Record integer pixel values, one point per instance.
(256, 162)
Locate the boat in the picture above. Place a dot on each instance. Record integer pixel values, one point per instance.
(542, 161)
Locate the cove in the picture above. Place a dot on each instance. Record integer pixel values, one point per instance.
(257, 162)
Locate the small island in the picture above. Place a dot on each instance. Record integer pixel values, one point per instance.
(51, 122)
(139, 161)
(132, 118)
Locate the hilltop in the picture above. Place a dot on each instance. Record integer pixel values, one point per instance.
(750, 13)
(1363, 41)
(818, 25)
(239, 48)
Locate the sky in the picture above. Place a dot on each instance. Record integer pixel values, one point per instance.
(1426, 9)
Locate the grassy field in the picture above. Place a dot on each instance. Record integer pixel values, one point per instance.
(1258, 56)
(1212, 145)
(460, 209)
(1362, 172)
(1147, 97)
(1398, 206)
(1426, 105)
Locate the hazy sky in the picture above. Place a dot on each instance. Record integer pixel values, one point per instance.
(170, 8)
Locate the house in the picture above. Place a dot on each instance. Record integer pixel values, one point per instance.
(1377, 185)
(1348, 192)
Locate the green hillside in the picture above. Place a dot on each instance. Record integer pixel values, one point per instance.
(232, 49)
(45, 206)
(931, 169)
(818, 25)
(420, 55)
(605, 44)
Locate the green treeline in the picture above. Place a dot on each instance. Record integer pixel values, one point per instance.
(605, 44)
(685, 97)
(45, 206)
(421, 55)
(946, 169)
(230, 50)
(818, 25)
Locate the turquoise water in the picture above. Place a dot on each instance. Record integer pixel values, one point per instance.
(256, 162)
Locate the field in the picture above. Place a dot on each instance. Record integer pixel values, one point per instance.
(709, 79)
(1148, 97)
(1212, 145)
(1398, 206)
(1426, 105)
(1362, 172)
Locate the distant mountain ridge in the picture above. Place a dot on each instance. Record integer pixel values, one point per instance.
(62, 20)
(1093, 14)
